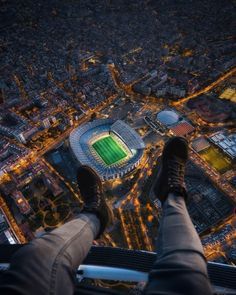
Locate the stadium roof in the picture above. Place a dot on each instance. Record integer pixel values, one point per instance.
(128, 135)
(168, 117)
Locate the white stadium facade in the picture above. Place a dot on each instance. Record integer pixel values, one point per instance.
(82, 139)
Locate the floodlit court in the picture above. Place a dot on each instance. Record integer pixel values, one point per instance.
(109, 150)
(229, 93)
(216, 159)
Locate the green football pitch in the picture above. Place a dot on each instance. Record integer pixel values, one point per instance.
(109, 150)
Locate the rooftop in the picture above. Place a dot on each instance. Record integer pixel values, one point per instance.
(168, 117)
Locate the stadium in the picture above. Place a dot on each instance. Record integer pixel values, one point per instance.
(111, 148)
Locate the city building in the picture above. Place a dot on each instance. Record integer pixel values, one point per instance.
(207, 205)
(199, 144)
(52, 184)
(229, 93)
(226, 142)
(182, 129)
(9, 154)
(13, 126)
(6, 234)
(21, 202)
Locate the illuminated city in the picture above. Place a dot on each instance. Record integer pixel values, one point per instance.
(106, 85)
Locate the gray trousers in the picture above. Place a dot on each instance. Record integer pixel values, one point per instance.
(48, 264)
(180, 267)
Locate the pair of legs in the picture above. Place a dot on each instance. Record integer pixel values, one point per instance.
(48, 264)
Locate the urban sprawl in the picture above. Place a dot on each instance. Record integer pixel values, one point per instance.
(145, 70)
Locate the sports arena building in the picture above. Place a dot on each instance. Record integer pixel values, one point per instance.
(173, 121)
(111, 148)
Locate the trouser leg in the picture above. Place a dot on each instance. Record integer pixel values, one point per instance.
(48, 264)
(180, 267)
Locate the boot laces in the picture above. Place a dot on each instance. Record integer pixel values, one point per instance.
(94, 194)
(176, 170)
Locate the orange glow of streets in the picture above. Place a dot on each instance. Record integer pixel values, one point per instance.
(124, 229)
(14, 227)
(206, 89)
